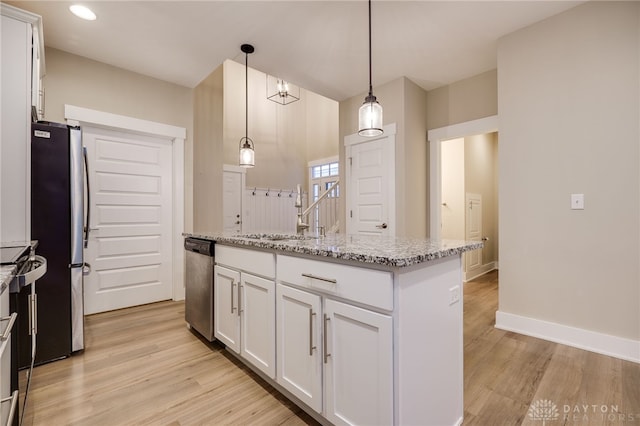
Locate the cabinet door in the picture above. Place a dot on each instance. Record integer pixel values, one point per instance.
(299, 344)
(226, 312)
(358, 365)
(258, 315)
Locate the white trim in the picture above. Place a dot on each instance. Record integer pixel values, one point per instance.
(177, 135)
(322, 161)
(115, 121)
(388, 130)
(606, 344)
(234, 168)
(435, 137)
(480, 270)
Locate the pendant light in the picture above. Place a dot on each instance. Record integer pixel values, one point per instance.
(247, 153)
(370, 113)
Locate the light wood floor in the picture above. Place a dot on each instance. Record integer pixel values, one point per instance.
(143, 366)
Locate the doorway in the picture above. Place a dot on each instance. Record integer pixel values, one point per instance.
(464, 189)
(154, 135)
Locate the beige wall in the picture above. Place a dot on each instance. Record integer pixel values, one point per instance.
(405, 104)
(208, 153)
(286, 137)
(569, 114)
(82, 82)
(462, 101)
(480, 170)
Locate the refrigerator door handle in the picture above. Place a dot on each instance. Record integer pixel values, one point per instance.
(87, 227)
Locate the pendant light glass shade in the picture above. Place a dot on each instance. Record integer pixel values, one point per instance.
(370, 113)
(370, 117)
(247, 153)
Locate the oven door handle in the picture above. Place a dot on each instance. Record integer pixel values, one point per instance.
(7, 331)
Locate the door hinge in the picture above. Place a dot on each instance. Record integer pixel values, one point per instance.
(350, 161)
(350, 213)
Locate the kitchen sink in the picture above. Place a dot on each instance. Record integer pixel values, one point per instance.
(278, 237)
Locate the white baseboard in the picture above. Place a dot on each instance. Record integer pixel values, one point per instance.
(479, 271)
(605, 344)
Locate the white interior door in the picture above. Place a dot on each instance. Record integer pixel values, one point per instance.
(130, 244)
(371, 184)
(232, 184)
(473, 258)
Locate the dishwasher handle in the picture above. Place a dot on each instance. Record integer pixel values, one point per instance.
(197, 245)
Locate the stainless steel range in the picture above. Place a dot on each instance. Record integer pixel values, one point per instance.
(20, 269)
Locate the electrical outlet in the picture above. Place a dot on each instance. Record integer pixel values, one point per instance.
(454, 295)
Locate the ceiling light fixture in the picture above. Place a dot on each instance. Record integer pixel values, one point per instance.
(282, 92)
(370, 113)
(247, 153)
(82, 12)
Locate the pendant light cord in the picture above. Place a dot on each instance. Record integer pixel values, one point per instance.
(246, 95)
(370, 78)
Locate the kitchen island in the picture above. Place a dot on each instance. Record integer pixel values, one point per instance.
(354, 329)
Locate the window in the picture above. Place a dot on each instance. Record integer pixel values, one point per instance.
(322, 176)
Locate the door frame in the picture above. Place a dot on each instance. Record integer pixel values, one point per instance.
(435, 138)
(389, 131)
(79, 116)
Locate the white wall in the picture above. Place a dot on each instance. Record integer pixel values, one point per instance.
(569, 108)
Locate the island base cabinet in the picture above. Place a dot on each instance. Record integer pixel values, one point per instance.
(257, 318)
(299, 344)
(358, 365)
(226, 314)
(350, 347)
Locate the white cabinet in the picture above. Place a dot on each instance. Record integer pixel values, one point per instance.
(299, 347)
(257, 318)
(226, 313)
(244, 306)
(323, 340)
(22, 67)
(358, 365)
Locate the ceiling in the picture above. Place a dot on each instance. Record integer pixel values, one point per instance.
(318, 45)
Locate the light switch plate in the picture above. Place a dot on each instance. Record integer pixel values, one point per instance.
(577, 201)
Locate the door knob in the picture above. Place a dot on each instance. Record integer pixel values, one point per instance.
(383, 226)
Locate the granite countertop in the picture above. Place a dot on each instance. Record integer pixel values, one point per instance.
(387, 251)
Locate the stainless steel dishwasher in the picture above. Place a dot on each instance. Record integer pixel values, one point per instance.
(198, 302)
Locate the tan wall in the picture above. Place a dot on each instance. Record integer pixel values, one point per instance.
(462, 101)
(569, 114)
(480, 165)
(82, 82)
(405, 104)
(286, 137)
(207, 153)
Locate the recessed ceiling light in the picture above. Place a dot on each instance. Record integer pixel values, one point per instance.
(82, 12)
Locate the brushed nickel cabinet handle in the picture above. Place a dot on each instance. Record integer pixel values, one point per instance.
(7, 331)
(239, 299)
(315, 277)
(311, 347)
(325, 339)
(233, 284)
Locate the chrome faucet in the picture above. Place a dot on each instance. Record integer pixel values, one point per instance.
(300, 225)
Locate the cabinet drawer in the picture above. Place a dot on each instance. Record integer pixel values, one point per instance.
(367, 286)
(253, 261)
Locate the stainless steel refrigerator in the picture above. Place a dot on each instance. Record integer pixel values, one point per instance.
(58, 171)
